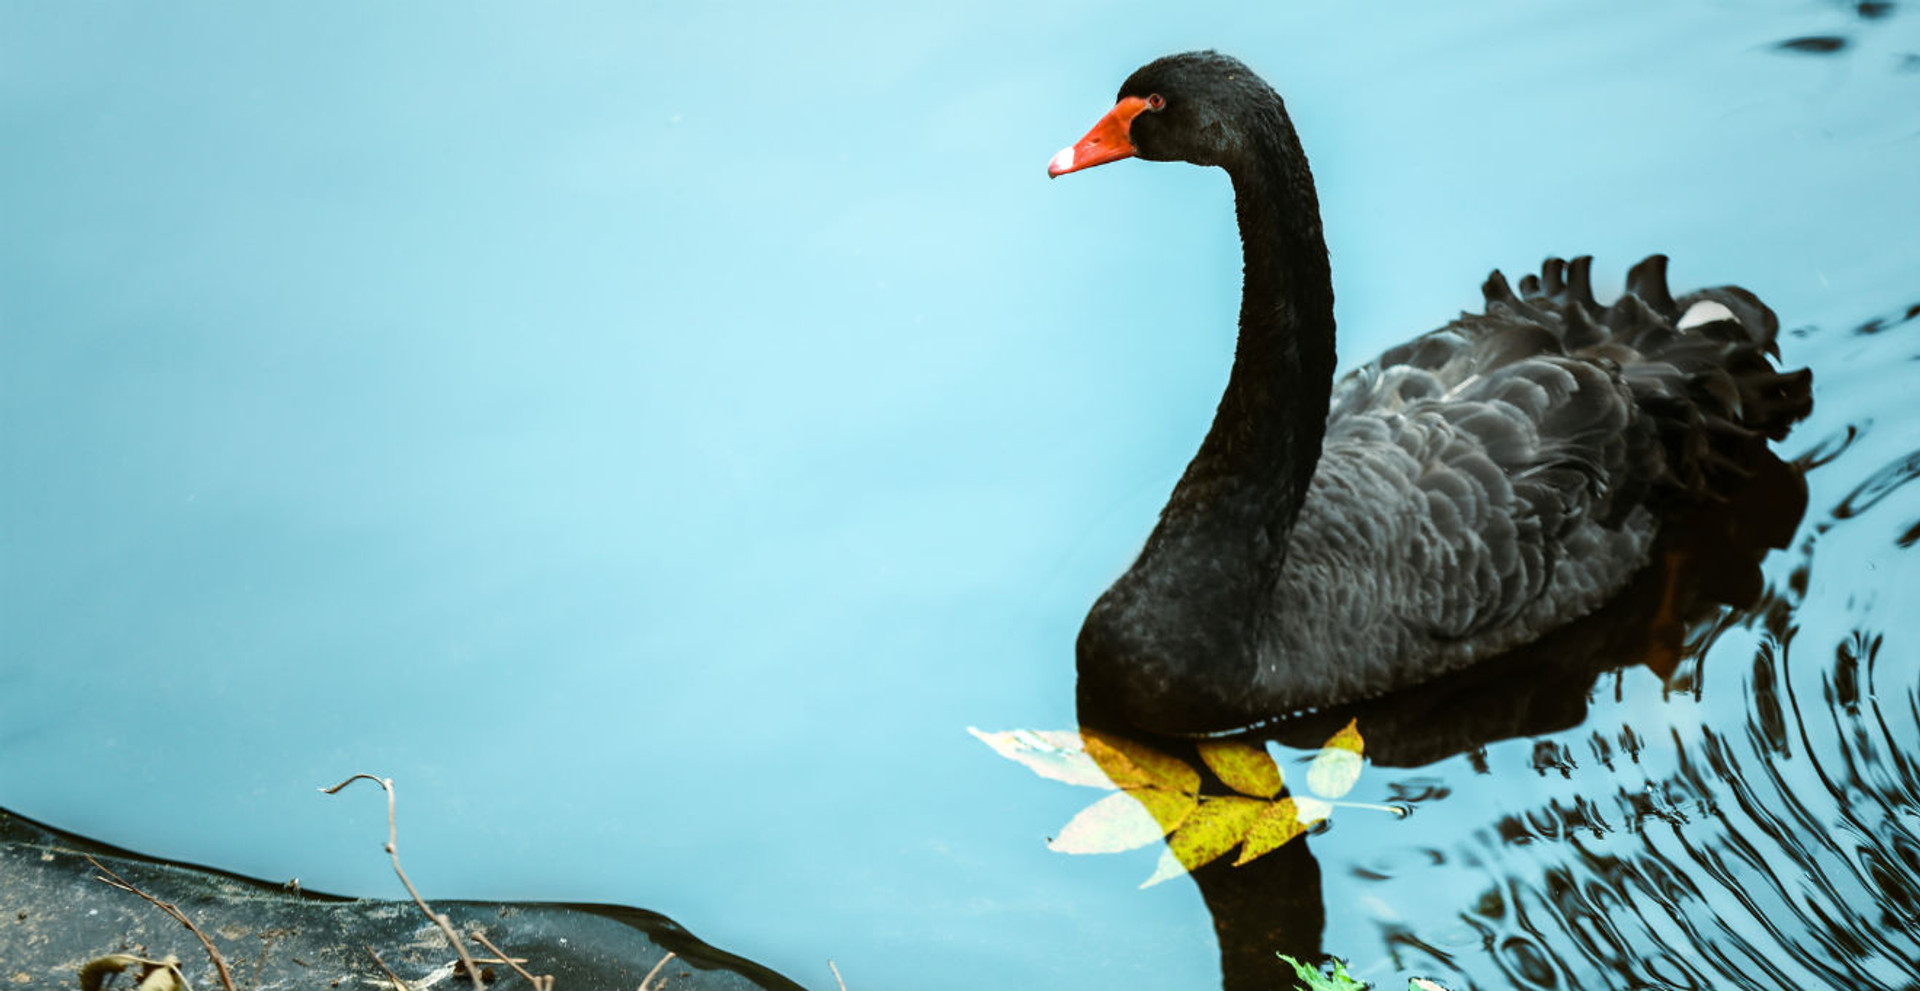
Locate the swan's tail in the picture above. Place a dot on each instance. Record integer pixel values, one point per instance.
(1701, 367)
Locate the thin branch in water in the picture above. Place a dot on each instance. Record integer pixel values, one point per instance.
(646, 983)
(539, 983)
(1395, 810)
(393, 851)
(213, 952)
(399, 984)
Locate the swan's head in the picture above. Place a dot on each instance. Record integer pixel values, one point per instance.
(1194, 107)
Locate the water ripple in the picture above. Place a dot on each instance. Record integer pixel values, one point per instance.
(1879, 485)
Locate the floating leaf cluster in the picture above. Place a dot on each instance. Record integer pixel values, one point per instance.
(1158, 795)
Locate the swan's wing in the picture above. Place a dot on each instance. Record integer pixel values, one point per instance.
(1505, 473)
(1491, 478)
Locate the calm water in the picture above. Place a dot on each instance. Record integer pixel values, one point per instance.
(653, 437)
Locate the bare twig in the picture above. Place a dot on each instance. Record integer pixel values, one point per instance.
(393, 851)
(539, 983)
(399, 984)
(646, 983)
(837, 979)
(213, 952)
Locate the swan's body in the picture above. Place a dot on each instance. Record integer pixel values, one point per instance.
(1463, 494)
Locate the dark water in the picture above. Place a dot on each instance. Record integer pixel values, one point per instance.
(653, 436)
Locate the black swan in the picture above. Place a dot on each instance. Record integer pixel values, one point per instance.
(1466, 492)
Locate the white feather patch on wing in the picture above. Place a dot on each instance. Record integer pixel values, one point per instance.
(1703, 312)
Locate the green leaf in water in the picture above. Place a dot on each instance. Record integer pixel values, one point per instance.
(1311, 979)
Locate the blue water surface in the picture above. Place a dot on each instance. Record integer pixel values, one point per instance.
(653, 433)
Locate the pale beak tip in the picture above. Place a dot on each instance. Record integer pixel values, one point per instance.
(1062, 163)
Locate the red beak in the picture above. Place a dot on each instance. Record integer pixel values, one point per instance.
(1109, 141)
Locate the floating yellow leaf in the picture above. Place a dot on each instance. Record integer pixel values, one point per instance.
(1123, 821)
(1276, 824)
(1347, 739)
(1333, 773)
(1124, 759)
(1168, 808)
(1247, 770)
(1055, 754)
(1212, 829)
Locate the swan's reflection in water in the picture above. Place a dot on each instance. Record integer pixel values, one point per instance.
(1653, 833)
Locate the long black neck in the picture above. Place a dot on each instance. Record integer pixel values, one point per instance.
(1244, 488)
(1175, 644)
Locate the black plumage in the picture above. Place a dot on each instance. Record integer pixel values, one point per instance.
(1464, 493)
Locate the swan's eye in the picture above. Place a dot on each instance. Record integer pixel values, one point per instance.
(1156, 102)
